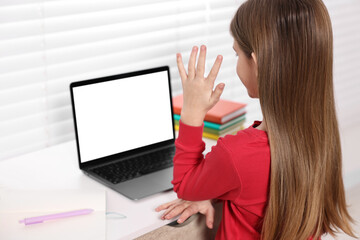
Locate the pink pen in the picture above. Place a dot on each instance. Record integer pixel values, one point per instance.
(40, 219)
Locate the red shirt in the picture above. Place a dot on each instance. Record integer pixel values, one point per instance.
(236, 171)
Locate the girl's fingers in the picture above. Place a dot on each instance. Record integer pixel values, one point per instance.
(187, 213)
(168, 210)
(210, 215)
(166, 205)
(192, 61)
(215, 96)
(200, 69)
(176, 211)
(215, 69)
(181, 67)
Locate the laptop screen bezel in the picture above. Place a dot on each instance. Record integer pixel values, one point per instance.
(127, 153)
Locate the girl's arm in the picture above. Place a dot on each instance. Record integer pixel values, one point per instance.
(196, 177)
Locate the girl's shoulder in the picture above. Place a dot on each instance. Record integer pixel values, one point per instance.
(248, 139)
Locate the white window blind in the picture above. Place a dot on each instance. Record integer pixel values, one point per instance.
(46, 45)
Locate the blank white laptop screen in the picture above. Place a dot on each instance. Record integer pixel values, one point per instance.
(122, 114)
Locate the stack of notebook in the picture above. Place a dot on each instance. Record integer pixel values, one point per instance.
(226, 117)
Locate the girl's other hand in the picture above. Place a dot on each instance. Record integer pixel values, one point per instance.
(187, 209)
(199, 96)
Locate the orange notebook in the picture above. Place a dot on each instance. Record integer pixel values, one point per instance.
(222, 112)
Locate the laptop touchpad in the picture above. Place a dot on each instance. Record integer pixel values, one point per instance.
(146, 185)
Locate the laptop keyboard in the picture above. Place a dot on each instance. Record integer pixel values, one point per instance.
(135, 167)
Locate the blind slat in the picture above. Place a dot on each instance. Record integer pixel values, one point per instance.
(20, 13)
(22, 78)
(11, 96)
(22, 109)
(21, 46)
(22, 29)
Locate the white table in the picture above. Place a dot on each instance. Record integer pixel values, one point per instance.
(57, 168)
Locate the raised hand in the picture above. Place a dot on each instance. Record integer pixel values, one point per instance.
(199, 96)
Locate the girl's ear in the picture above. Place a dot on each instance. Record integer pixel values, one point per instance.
(254, 59)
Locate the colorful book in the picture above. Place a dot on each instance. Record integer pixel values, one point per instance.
(216, 137)
(213, 136)
(234, 127)
(216, 125)
(222, 112)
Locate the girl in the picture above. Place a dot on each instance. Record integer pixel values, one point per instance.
(285, 58)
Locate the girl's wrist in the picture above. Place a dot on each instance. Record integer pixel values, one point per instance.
(195, 119)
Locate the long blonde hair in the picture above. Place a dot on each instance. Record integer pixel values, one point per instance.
(292, 40)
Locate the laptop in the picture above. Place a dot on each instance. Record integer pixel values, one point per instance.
(124, 131)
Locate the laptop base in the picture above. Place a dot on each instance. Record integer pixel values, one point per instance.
(140, 187)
